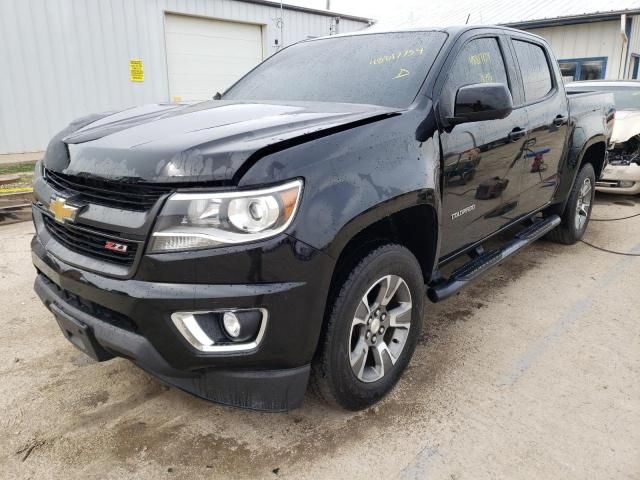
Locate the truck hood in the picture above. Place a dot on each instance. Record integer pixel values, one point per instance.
(627, 125)
(204, 142)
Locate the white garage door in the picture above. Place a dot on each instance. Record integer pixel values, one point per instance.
(205, 56)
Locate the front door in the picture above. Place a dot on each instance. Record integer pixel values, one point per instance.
(481, 159)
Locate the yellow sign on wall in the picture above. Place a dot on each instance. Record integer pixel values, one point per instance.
(136, 70)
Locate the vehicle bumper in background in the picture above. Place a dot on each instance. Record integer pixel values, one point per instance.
(107, 317)
(622, 179)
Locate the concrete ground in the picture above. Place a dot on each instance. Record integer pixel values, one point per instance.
(532, 373)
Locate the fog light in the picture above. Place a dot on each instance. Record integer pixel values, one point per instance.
(231, 324)
(222, 330)
(626, 184)
(242, 325)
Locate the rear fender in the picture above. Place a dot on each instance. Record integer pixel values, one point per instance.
(569, 171)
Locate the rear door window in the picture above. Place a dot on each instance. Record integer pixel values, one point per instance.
(536, 76)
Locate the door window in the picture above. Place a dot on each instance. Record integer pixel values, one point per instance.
(479, 61)
(536, 76)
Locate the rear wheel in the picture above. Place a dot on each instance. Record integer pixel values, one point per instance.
(578, 210)
(372, 329)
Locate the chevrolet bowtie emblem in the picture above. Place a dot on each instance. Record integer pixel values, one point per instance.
(61, 211)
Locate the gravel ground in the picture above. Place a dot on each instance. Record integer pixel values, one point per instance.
(533, 372)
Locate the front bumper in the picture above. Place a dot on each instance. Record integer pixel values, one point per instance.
(614, 174)
(131, 318)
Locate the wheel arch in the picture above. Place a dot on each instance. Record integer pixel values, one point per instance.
(414, 226)
(595, 154)
(592, 151)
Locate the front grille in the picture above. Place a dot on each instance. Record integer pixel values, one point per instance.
(90, 243)
(91, 308)
(108, 193)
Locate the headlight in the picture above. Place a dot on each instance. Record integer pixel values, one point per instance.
(204, 220)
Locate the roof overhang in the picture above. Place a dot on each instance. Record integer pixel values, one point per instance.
(326, 13)
(572, 20)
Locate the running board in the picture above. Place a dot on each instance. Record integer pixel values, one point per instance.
(487, 260)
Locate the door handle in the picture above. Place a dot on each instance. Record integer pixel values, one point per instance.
(516, 134)
(559, 120)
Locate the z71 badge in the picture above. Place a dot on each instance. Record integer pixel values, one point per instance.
(116, 247)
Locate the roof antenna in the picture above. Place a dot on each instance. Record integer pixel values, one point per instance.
(468, 17)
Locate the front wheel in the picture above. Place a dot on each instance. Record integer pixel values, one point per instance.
(578, 210)
(372, 330)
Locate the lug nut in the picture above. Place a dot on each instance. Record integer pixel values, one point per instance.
(367, 335)
(381, 331)
(377, 312)
(384, 316)
(373, 339)
(369, 321)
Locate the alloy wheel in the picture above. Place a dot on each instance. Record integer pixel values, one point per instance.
(583, 205)
(380, 328)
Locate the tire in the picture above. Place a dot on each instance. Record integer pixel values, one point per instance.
(576, 215)
(348, 335)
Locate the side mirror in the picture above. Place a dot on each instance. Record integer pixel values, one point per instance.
(481, 101)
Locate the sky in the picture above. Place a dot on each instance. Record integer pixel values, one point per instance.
(376, 9)
(383, 11)
(417, 13)
(362, 8)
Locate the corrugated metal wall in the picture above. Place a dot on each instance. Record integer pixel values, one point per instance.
(585, 40)
(62, 59)
(634, 41)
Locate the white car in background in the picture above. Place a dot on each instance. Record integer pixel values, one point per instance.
(622, 175)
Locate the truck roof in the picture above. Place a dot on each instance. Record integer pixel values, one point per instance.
(453, 31)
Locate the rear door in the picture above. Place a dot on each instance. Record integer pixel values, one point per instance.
(481, 168)
(547, 109)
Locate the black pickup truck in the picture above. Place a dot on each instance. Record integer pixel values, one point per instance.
(285, 233)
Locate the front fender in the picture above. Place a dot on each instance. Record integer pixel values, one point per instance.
(355, 178)
(378, 213)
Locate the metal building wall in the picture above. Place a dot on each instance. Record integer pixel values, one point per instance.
(62, 59)
(634, 44)
(634, 38)
(585, 40)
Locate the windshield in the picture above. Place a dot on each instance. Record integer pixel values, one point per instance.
(380, 69)
(625, 98)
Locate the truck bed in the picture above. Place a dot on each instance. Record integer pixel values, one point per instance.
(581, 103)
